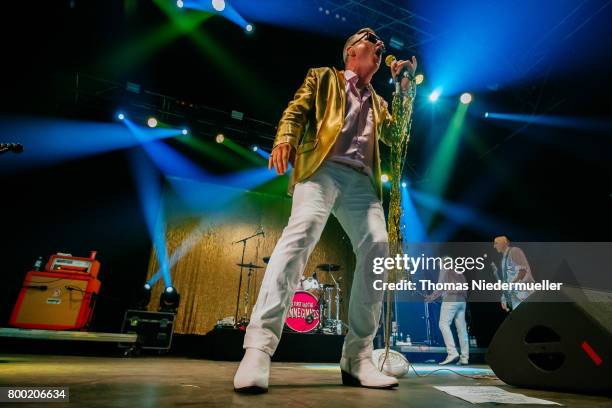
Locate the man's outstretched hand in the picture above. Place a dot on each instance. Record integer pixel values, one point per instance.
(281, 156)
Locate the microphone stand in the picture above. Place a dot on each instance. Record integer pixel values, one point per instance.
(244, 241)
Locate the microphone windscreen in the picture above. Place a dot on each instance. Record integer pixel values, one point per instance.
(389, 60)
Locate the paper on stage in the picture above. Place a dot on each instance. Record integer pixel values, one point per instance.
(480, 394)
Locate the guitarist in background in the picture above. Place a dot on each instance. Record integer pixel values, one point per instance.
(453, 309)
(514, 268)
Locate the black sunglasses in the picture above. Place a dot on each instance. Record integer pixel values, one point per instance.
(368, 36)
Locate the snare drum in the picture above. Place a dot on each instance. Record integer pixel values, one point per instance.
(304, 313)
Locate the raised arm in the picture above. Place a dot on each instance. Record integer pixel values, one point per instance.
(396, 124)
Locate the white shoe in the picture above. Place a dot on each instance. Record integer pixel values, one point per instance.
(361, 372)
(253, 373)
(463, 361)
(451, 358)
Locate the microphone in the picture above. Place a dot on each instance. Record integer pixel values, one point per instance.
(389, 59)
(11, 147)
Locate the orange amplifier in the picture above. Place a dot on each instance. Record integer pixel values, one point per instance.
(55, 301)
(73, 264)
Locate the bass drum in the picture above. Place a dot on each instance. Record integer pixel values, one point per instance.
(304, 313)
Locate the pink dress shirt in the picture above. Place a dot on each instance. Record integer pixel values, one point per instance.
(355, 144)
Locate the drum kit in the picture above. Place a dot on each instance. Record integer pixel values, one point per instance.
(312, 303)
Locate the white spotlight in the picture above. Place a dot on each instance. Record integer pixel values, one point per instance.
(152, 122)
(218, 5)
(466, 98)
(434, 95)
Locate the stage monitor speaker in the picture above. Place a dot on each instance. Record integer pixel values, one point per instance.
(560, 344)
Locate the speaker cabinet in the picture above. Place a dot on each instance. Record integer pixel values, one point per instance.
(557, 341)
(55, 301)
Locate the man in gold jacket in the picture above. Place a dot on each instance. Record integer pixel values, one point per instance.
(329, 133)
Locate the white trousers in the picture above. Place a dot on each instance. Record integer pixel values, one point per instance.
(454, 311)
(350, 196)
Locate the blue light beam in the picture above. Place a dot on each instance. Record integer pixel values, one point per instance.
(149, 191)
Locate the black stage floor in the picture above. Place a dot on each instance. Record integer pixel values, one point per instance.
(168, 381)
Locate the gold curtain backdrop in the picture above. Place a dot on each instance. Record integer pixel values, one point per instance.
(206, 275)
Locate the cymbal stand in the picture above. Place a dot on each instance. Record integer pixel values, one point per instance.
(338, 322)
(247, 294)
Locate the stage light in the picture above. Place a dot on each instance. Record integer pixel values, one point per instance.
(237, 115)
(486, 115)
(434, 95)
(179, 3)
(220, 138)
(396, 43)
(419, 79)
(120, 116)
(143, 297)
(249, 28)
(254, 148)
(218, 5)
(185, 131)
(466, 98)
(169, 300)
(384, 178)
(391, 80)
(151, 122)
(404, 184)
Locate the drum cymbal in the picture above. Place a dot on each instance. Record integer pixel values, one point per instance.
(328, 267)
(250, 266)
(266, 259)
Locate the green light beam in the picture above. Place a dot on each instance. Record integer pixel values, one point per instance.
(444, 159)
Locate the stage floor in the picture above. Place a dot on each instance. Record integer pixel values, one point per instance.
(167, 381)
